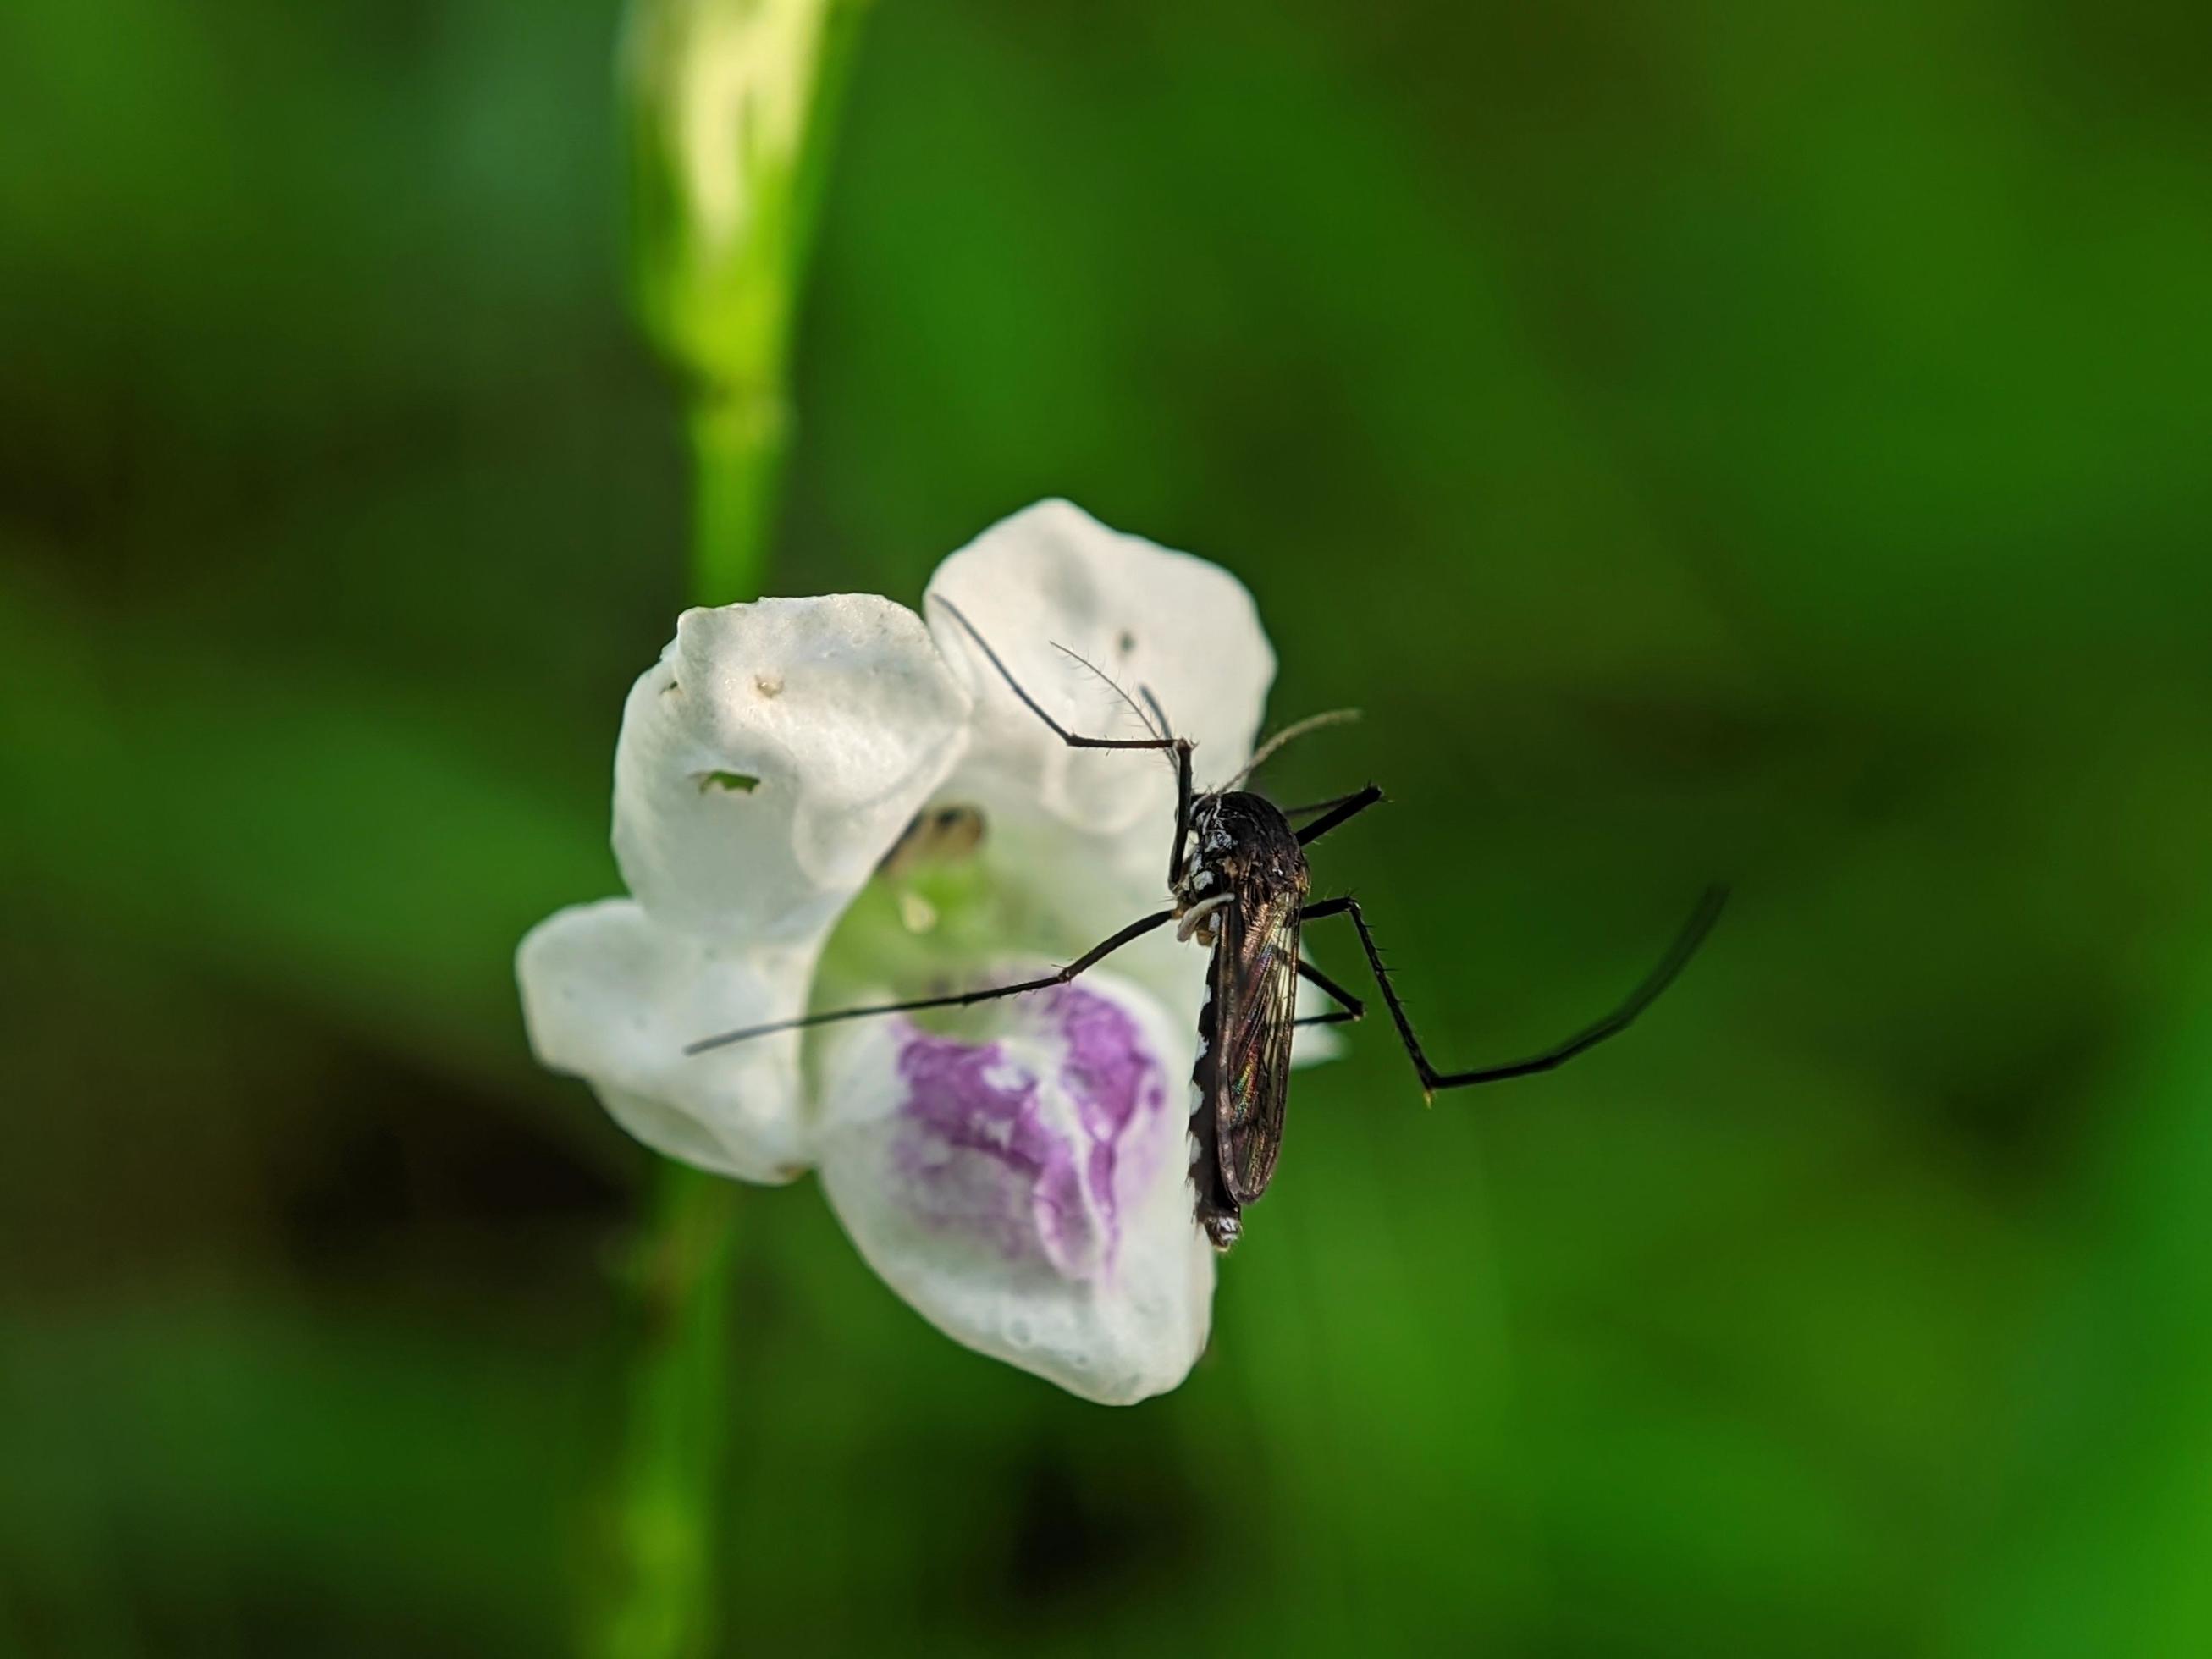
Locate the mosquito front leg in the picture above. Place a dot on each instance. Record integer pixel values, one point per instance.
(1162, 742)
(1095, 955)
(1176, 852)
(1685, 945)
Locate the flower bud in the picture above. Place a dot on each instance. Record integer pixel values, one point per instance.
(719, 97)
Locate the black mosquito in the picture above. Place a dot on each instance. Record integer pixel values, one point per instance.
(1238, 878)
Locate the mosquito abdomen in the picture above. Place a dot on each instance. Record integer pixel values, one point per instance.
(1220, 1214)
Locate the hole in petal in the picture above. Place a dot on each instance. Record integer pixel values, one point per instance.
(729, 782)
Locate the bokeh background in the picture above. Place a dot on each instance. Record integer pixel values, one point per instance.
(1708, 439)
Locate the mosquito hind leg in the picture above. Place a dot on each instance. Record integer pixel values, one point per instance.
(1678, 955)
(1351, 1009)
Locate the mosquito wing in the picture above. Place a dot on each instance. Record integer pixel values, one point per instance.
(1255, 989)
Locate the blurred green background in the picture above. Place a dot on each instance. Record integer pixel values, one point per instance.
(1708, 439)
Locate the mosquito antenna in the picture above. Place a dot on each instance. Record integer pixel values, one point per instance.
(1160, 714)
(1296, 729)
(1114, 686)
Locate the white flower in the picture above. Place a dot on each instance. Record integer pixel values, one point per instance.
(1019, 1173)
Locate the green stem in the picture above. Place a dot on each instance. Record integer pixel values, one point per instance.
(667, 1520)
(737, 449)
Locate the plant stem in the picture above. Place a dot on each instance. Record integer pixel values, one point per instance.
(737, 451)
(719, 301)
(666, 1520)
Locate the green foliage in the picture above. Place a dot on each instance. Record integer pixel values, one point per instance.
(1705, 440)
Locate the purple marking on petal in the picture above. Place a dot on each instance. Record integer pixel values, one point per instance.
(1112, 1077)
(980, 1157)
(984, 1150)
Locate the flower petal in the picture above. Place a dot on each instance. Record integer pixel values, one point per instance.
(1315, 1045)
(611, 995)
(1052, 580)
(1027, 1193)
(773, 756)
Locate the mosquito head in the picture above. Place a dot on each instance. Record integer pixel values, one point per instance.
(1234, 837)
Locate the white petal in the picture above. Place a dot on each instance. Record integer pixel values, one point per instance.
(611, 995)
(1315, 1045)
(1052, 580)
(1027, 1193)
(773, 756)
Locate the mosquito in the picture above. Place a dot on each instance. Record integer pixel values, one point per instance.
(1238, 879)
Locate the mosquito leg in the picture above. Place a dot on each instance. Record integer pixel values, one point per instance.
(1330, 804)
(1182, 816)
(1070, 738)
(1180, 747)
(1096, 954)
(1678, 953)
(1339, 811)
(1158, 719)
(1353, 1008)
(1317, 806)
